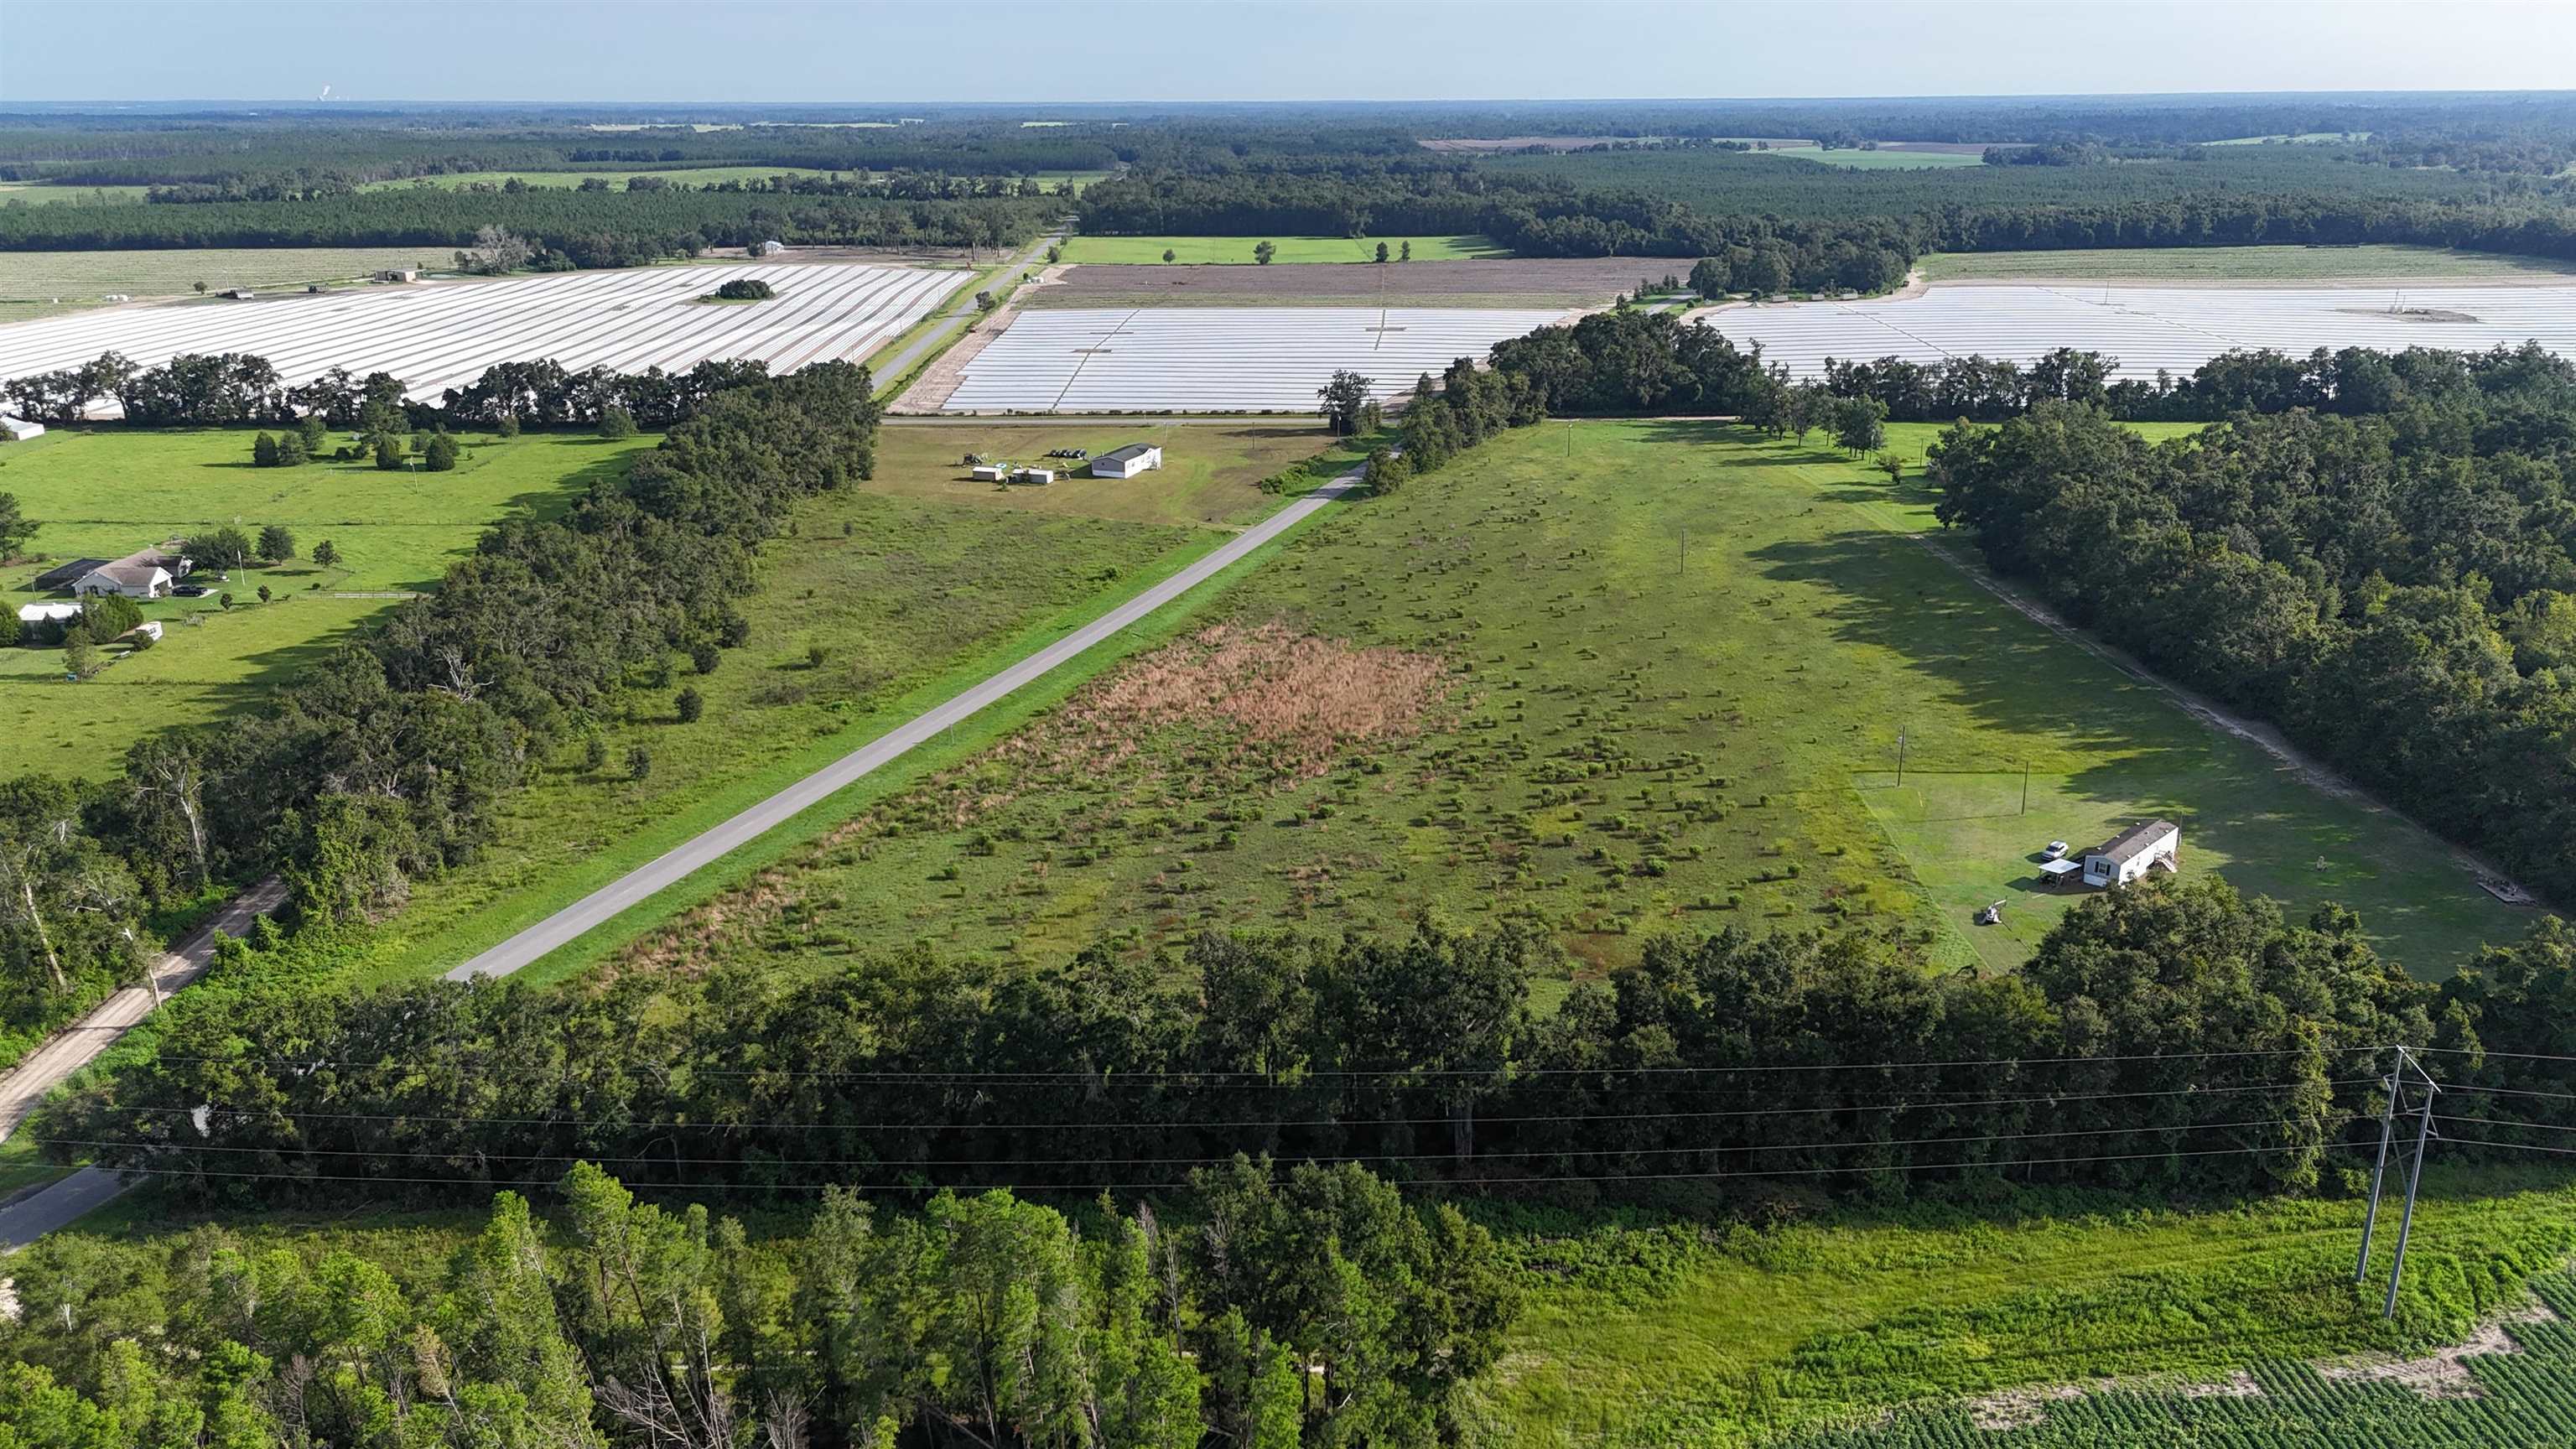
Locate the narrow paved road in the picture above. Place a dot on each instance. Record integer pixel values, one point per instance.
(962, 305)
(596, 909)
(76, 1046)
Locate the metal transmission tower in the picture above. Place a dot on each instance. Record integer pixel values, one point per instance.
(2426, 1089)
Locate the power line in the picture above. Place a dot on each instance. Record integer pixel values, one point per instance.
(1912, 1104)
(1113, 1076)
(1832, 1145)
(1090, 1187)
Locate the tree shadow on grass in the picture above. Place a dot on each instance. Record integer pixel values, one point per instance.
(2019, 682)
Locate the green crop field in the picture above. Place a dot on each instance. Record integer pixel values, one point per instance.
(44, 284)
(106, 493)
(1507, 693)
(1640, 1334)
(1291, 248)
(2238, 264)
(1209, 475)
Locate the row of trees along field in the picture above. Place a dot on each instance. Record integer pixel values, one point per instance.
(604, 228)
(2171, 1037)
(234, 389)
(1305, 1307)
(385, 760)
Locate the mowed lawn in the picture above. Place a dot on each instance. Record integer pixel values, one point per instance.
(1680, 659)
(1682, 1335)
(2239, 264)
(45, 284)
(1291, 248)
(1210, 473)
(106, 493)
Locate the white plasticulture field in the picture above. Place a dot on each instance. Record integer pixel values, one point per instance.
(2147, 328)
(444, 335)
(1219, 359)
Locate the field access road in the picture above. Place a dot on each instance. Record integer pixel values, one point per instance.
(37, 1213)
(944, 330)
(643, 883)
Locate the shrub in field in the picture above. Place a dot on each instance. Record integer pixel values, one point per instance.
(704, 657)
(291, 451)
(389, 454)
(276, 544)
(263, 451)
(326, 553)
(616, 422)
(639, 763)
(441, 457)
(746, 289)
(691, 705)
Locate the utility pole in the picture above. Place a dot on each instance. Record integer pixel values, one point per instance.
(1685, 551)
(2414, 1175)
(1900, 757)
(2025, 787)
(2426, 1089)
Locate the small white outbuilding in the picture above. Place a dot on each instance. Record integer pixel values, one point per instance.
(20, 428)
(1127, 462)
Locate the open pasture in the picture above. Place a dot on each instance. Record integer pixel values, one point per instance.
(1184, 359)
(1237, 250)
(2150, 328)
(1608, 680)
(1881, 158)
(444, 335)
(107, 494)
(44, 284)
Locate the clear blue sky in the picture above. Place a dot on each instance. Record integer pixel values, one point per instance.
(1253, 50)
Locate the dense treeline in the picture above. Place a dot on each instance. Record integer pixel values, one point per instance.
(2171, 1036)
(2397, 590)
(1305, 1307)
(386, 760)
(1780, 224)
(593, 228)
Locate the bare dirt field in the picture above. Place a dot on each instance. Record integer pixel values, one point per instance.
(1532, 284)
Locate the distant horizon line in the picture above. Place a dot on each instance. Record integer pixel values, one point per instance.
(356, 103)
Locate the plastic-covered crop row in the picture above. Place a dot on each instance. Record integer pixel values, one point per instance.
(439, 336)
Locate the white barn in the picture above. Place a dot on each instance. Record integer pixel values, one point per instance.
(1127, 462)
(2148, 845)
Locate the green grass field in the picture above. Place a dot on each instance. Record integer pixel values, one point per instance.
(2238, 264)
(1680, 1336)
(1629, 743)
(108, 492)
(44, 284)
(1208, 475)
(1291, 248)
(913, 596)
(2303, 138)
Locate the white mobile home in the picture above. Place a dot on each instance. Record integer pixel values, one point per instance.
(2149, 845)
(1127, 462)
